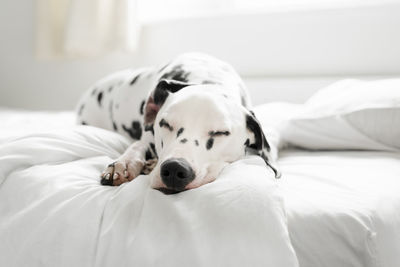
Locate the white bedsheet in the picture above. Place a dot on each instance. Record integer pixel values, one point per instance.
(343, 207)
(54, 212)
(19, 122)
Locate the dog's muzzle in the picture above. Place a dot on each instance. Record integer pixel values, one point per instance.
(176, 174)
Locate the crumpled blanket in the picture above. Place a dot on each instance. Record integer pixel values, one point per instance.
(54, 212)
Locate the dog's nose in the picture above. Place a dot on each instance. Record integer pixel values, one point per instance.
(176, 173)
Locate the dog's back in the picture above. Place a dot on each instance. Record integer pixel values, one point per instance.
(116, 102)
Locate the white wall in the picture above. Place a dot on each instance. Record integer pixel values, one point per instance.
(342, 41)
(282, 55)
(26, 82)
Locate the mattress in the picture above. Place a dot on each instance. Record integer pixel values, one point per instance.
(342, 208)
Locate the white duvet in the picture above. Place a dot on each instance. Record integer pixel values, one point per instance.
(343, 207)
(54, 212)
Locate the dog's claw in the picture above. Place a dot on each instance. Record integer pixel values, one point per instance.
(111, 165)
(149, 166)
(105, 179)
(121, 171)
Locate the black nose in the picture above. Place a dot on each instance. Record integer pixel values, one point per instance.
(176, 173)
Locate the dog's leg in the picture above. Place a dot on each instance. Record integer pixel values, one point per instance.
(132, 163)
(127, 167)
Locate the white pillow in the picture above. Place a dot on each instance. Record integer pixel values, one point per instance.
(350, 114)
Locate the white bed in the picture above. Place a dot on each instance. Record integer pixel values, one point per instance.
(55, 212)
(19, 122)
(342, 207)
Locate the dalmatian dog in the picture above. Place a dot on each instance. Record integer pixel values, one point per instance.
(187, 119)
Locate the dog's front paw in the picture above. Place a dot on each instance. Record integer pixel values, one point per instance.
(121, 171)
(149, 166)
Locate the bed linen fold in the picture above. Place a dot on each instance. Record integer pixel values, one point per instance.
(54, 212)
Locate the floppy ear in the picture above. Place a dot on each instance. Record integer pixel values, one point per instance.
(158, 97)
(260, 145)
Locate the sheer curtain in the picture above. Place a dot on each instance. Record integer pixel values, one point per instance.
(90, 28)
(85, 28)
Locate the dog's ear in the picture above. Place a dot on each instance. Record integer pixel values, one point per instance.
(257, 144)
(158, 97)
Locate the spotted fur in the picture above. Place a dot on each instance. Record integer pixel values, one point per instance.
(179, 132)
(128, 102)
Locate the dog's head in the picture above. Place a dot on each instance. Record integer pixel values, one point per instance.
(197, 132)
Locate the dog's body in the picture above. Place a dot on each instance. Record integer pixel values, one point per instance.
(169, 124)
(117, 101)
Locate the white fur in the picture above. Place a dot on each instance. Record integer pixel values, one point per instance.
(216, 100)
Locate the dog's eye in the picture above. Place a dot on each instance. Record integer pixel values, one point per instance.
(165, 124)
(218, 133)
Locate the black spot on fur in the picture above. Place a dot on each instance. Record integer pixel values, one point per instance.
(210, 143)
(254, 126)
(135, 79)
(100, 98)
(153, 148)
(151, 152)
(247, 143)
(148, 155)
(180, 131)
(111, 164)
(149, 128)
(165, 86)
(196, 142)
(84, 123)
(218, 133)
(177, 74)
(115, 126)
(81, 109)
(165, 124)
(162, 144)
(142, 107)
(260, 146)
(135, 131)
(184, 140)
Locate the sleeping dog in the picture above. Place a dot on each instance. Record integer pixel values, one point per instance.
(188, 119)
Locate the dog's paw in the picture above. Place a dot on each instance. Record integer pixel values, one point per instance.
(121, 171)
(149, 166)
